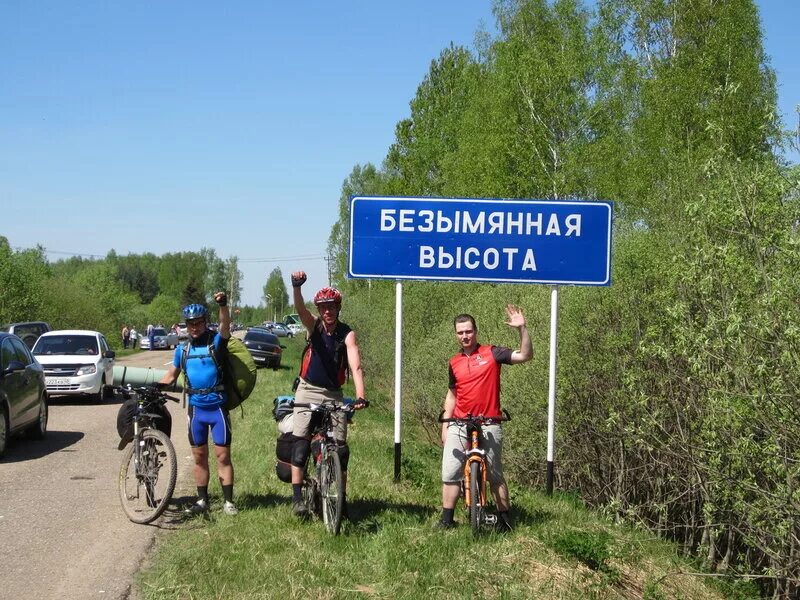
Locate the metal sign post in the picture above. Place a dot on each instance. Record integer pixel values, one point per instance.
(398, 362)
(551, 388)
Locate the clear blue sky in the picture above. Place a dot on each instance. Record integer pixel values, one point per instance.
(169, 126)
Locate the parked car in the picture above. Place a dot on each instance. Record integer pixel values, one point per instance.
(28, 332)
(264, 347)
(183, 333)
(162, 340)
(296, 328)
(281, 330)
(23, 395)
(76, 362)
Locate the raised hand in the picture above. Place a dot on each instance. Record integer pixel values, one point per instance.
(515, 316)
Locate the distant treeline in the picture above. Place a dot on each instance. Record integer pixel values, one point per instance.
(103, 294)
(678, 399)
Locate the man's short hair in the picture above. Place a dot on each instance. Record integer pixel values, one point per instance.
(463, 318)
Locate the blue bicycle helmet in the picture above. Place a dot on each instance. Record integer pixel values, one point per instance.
(195, 311)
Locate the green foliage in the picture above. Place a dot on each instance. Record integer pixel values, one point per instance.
(22, 278)
(362, 181)
(105, 294)
(592, 549)
(677, 394)
(276, 298)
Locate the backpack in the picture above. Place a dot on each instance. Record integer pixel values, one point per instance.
(236, 372)
(336, 366)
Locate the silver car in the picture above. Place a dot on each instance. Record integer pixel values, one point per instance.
(162, 340)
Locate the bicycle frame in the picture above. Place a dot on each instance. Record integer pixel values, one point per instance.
(475, 454)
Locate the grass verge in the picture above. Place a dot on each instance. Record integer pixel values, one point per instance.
(389, 548)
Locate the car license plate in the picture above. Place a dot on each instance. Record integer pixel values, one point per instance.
(259, 358)
(56, 381)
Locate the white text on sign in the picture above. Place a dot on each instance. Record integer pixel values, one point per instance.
(495, 222)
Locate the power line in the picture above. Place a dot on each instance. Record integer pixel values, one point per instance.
(240, 260)
(64, 252)
(282, 258)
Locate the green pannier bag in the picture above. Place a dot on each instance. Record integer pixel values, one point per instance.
(238, 371)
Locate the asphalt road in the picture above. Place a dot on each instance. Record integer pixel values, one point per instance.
(63, 534)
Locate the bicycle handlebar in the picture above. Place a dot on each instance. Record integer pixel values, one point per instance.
(146, 392)
(477, 419)
(319, 407)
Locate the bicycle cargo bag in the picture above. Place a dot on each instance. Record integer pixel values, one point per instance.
(128, 409)
(282, 406)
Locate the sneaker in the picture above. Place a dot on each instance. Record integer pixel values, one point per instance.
(299, 508)
(229, 508)
(442, 525)
(198, 508)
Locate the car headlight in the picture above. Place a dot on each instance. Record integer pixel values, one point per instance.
(86, 370)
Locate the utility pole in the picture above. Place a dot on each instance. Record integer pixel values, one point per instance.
(232, 295)
(328, 265)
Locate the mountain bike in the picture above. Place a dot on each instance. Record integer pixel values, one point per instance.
(475, 468)
(323, 484)
(149, 468)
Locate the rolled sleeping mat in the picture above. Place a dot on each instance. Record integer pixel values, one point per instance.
(135, 376)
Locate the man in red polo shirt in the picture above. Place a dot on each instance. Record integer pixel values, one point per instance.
(475, 389)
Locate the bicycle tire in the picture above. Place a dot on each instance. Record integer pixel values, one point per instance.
(475, 508)
(332, 492)
(311, 496)
(146, 489)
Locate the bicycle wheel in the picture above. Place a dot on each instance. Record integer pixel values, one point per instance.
(146, 482)
(330, 487)
(475, 508)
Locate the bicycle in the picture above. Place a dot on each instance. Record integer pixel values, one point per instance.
(323, 486)
(149, 467)
(475, 468)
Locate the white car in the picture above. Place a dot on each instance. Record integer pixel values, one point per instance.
(77, 362)
(296, 328)
(161, 340)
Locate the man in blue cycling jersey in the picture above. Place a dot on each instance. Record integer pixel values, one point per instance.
(204, 354)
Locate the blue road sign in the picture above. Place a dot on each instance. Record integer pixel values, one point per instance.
(463, 239)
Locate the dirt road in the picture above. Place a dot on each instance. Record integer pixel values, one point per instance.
(63, 532)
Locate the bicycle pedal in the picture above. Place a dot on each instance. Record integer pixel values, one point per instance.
(490, 519)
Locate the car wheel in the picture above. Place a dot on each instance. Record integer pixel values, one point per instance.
(39, 429)
(100, 395)
(3, 429)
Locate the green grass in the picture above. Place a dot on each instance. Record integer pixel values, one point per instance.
(390, 548)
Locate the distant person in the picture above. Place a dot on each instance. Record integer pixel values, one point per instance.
(151, 336)
(134, 336)
(207, 399)
(126, 336)
(331, 352)
(474, 375)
